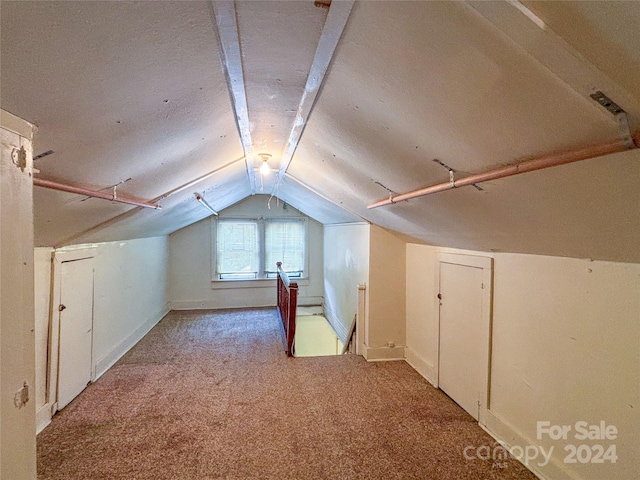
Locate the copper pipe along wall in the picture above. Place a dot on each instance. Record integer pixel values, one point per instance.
(522, 167)
(41, 182)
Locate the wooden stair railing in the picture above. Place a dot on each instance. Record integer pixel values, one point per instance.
(287, 304)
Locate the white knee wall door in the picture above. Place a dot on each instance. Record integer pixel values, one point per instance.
(464, 300)
(75, 308)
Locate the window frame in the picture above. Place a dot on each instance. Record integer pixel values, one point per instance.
(262, 278)
(273, 273)
(238, 276)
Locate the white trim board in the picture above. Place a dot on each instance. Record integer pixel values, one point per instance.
(214, 304)
(420, 365)
(506, 434)
(209, 305)
(384, 354)
(43, 417)
(9, 121)
(338, 327)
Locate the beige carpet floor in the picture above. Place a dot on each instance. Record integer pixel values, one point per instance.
(209, 395)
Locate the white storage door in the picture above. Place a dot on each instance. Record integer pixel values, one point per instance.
(76, 329)
(460, 365)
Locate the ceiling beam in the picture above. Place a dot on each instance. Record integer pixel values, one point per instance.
(331, 32)
(224, 15)
(523, 27)
(317, 193)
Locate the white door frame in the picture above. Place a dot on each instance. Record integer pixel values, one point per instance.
(486, 264)
(17, 315)
(59, 257)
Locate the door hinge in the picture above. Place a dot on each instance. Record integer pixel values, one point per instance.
(21, 397)
(19, 158)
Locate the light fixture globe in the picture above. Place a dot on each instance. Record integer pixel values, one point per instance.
(265, 168)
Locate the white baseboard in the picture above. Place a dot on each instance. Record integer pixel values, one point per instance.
(420, 365)
(216, 305)
(338, 326)
(310, 301)
(43, 417)
(306, 310)
(509, 436)
(211, 305)
(124, 346)
(383, 354)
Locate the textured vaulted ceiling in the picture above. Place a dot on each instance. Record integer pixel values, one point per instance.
(150, 96)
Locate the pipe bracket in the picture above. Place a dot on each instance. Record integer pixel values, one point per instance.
(625, 132)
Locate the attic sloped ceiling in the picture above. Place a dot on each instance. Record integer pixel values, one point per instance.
(121, 92)
(136, 94)
(462, 92)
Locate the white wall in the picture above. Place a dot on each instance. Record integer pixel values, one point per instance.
(346, 265)
(190, 265)
(422, 316)
(566, 348)
(386, 294)
(130, 297)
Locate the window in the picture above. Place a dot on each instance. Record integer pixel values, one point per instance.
(238, 251)
(284, 242)
(250, 249)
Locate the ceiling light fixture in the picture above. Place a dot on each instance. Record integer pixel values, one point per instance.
(265, 169)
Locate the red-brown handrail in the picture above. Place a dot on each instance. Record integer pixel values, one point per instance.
(287, 303)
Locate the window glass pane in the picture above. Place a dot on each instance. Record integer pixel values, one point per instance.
(237, 249)
(285, 242)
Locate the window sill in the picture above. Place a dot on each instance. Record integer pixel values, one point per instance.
(256, 283)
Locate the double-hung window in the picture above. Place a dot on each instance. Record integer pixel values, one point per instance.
(238, 252)
(250, 249)
(285, 242)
